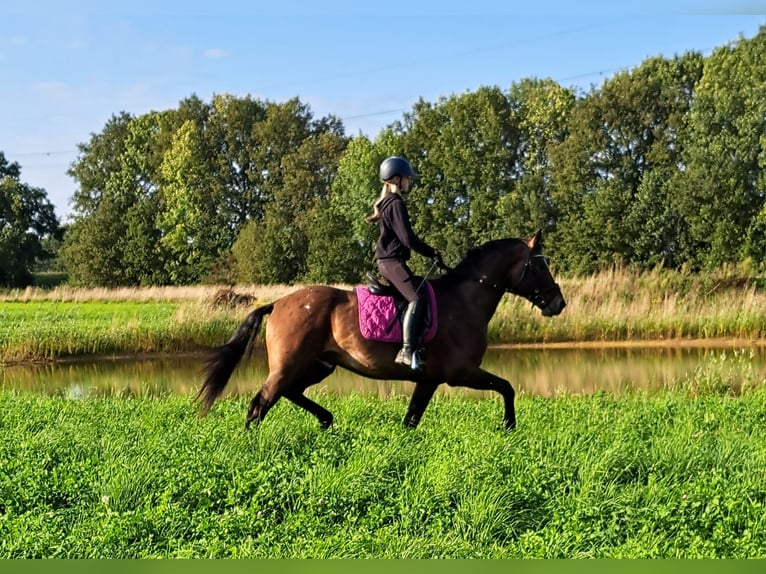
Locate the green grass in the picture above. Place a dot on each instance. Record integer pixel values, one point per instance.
(676, 474)
(51, 329)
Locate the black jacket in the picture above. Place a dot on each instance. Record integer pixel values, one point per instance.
(397, 239)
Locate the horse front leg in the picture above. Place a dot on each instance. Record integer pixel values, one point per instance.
(481, 380)
(421, 396)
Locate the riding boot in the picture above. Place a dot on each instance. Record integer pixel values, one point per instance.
(410, 354)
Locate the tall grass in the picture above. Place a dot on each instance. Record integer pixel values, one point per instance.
(625, 305)
(631, 476)
(619, 305)
(52, 329)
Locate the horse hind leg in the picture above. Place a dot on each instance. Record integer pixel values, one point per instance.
(318, 372)
(264, 399)
(322, 414)
(278, 385)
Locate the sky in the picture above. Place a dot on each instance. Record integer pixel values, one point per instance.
(67, 67)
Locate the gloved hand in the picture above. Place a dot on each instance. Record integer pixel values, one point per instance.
(440, 262)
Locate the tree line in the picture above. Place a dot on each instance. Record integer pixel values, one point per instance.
(661, 165)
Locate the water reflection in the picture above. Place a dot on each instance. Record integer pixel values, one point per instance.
(548, 372)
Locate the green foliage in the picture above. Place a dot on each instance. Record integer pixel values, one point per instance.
(354, 191)
(271, 251)
(620, 134)
(471, 146)
(27, 219)
(653, 223)
(178, 187)
(114, 239)
(724, 184)
(49, 279)
(190, 221)
(333, 256)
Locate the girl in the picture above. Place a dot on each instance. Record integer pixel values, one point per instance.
(395, 244)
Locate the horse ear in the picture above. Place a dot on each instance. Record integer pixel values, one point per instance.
(536, 240)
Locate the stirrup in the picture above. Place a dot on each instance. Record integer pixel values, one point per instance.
(414, 359)
(404, 357)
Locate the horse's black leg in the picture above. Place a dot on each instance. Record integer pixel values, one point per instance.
(316, 374)
(259, 406)
(421, 396)
(325, 417)
(280, 384)
(483, 381)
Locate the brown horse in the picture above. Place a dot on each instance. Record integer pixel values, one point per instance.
(316, 328)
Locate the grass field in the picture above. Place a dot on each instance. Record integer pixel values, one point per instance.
(676, 474)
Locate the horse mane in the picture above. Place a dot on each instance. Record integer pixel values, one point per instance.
(468, 267)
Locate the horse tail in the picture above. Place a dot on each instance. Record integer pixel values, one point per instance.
(220, 363)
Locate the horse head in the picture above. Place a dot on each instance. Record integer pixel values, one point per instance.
(530, 278)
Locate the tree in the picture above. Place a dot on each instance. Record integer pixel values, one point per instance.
(27, 218)
(162, 197)
(192, 220)
(540, 109)
(618, 134)
(298, 158)
(114, 239)
(723, 190)
(346, 236)
(464, 151)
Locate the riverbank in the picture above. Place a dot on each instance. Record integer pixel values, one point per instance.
(714, 343)
(617, 308)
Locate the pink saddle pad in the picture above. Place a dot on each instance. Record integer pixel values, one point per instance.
(378, 320)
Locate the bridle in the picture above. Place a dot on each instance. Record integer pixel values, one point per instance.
(538, 297)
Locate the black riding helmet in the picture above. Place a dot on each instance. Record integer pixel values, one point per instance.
(393, 166)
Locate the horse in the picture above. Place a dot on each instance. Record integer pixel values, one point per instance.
(314, 329)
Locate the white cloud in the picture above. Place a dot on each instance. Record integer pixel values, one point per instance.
(215, 53)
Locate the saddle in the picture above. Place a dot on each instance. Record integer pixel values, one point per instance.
(381, 287)
(381, 308)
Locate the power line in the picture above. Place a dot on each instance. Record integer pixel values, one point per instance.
(383, 113)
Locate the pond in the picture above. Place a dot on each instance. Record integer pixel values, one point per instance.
(546, 372)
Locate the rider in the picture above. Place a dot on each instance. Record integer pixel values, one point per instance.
(393, 249)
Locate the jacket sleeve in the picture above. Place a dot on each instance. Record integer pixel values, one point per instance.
(400, 220)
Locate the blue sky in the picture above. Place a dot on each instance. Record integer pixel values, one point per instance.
(67, 67)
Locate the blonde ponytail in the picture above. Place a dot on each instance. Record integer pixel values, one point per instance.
(376, 206)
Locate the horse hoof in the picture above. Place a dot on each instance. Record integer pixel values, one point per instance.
(249, 421)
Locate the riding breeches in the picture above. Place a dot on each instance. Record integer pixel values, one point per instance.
(400, 276)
